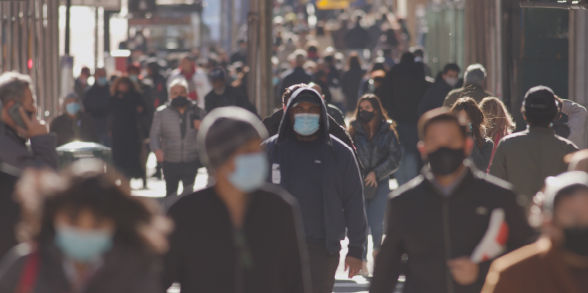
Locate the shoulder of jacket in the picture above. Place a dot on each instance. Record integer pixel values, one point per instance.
(339, 146)
(492, 181)
(278, 193)
(189, 202)
(408, 188)
(270, 142)
(162, 108)
(567, 142)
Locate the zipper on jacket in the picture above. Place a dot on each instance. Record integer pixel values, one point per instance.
(447, 241)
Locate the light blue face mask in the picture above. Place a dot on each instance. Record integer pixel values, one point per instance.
(306, 124)
(102, 81)
(82, 245)
(134, 78)
(250, 173)
(73, 108)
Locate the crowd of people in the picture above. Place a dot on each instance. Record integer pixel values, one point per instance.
(478, 207)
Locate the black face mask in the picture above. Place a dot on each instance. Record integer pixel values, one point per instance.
(576, 240)
(366, 116)
(445, 161)
(180, 102)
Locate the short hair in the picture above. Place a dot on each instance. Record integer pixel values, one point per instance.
(451, 67)
(475, 74)
(437, 115)
(178, 81)
(13, 86)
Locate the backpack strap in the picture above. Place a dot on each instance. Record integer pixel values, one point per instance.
(29, 274)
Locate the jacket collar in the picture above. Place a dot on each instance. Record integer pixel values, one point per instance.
(468, 173)
(541, 130)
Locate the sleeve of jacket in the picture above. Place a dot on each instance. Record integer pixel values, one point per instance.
(155, 133)
(392, 162)
(294, 270)
(577, 115)
(389, 260)
(353, 206)
(498, 164)
(44, 150)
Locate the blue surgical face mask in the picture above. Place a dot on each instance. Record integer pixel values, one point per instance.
(82, 245)
(73, 108)
(102, 81)
(250, 173)
(306, 124)
(134, 78)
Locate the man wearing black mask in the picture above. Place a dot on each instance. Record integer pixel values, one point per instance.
(173, 138)
(558, 261)
(451, 220)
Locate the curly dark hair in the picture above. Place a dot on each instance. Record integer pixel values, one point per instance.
(86, 186)
(476, 117)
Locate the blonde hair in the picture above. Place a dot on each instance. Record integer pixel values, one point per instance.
(498, 118)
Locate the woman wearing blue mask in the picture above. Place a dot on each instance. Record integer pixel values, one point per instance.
(239, 235)
(74, 123)
(82, 232)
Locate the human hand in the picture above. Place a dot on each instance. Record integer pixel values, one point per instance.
(159, 155)
(464, 271)
(371, 179)
(34, 127)
(353, 265)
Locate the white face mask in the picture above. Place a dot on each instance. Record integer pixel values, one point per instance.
(452, 81)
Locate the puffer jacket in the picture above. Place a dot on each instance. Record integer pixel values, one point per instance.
(381, 154)
(174, 133)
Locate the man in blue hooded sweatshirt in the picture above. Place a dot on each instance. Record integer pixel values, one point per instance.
(322, 173)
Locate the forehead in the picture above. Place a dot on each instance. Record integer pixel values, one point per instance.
(306, 105)
(440, 129)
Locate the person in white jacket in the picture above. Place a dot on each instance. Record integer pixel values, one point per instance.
(577, 115)
(198, 83)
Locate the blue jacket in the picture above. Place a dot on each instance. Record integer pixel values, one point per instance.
(342, 187)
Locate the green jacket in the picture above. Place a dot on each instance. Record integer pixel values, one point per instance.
(526, 158)
(468, 91)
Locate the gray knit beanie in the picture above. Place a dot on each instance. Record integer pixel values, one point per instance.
(223, 131)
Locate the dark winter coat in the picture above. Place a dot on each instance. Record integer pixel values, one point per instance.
(9, 209)
(381, 154)
(481, 155)
(230, 97)
(432, 228)
(342, 186)
(402, 90)
(207, 254)
(125, 270)
(68, 129)
(294, 76)
(350, 83)
(97, 105)
(127, 136)
(434, 96)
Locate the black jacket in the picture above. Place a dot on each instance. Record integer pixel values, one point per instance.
(272, 123)
(68, 129)
(207, 254)
(230, 97)
(434, 96)
(124, 270)
(9, 209)
(381, 154)
(292, 77)
(432, 228)
(342, 186)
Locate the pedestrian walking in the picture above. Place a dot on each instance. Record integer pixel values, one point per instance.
(297, 74)
(74, 123)
(223, 94)
(321, 172)
(526, 158)
(81, 232)
(474, 86)
(401, 93)
(351, 79)
(240, 234)
(558, 261)
(173, 138)
(379, 151)
(444, 83)
(447, 221)
(198, 84)
(81, 84)
(126, 106)
(499, 122)
(467, 109)
(19, 125)
(97, 104)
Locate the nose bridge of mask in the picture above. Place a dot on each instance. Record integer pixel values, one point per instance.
(306, 123)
